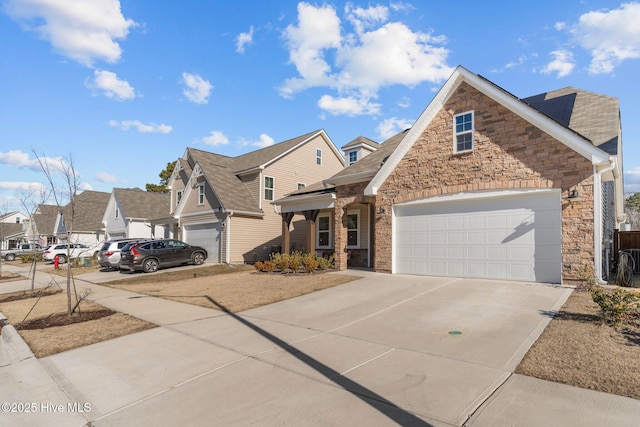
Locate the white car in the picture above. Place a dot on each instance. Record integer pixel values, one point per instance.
(60, 250)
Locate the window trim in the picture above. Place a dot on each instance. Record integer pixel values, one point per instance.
(463, 132)
(201, 194)
(272, 188)
(349, 162)
(318, 231)
(117, 212)
(178, 196)
(319, 156)
(302, 185)
(357, 229)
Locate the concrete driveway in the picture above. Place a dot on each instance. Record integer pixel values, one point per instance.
(382, 350)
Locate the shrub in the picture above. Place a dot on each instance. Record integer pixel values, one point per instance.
(617, 306)
(268, 266)
(259, 266)
(281, 261)
(310, 263)
(295, 260)
(587, 276)
(325, 263)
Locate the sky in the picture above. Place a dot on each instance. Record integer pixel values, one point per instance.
(114, 90)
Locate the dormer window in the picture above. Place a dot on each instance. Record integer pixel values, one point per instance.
(353, 156)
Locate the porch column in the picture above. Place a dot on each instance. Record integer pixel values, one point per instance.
(311, 217)
(286, 234)
(340, 238)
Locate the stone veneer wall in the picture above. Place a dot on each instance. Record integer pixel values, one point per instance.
(346, 195)
(508, 153)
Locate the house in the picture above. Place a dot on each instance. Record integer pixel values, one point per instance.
(40, 227)
(11, 229)
(129, 213)
(483, 185)
(80, 221)
(225, 203)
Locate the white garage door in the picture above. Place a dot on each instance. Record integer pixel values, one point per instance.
(514, 237)
(205, 235)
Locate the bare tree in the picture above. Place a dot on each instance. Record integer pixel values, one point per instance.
(71, 185)
(30, 200)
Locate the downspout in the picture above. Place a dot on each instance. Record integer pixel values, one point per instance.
(597, 217)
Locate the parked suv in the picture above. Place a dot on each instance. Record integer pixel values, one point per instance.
(60, 250)
(109, 254)
(24, 249)
(152, 255)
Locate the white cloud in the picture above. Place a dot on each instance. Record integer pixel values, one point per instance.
(632, 180)
(196, 89)
(349, 106)
(112, 87)
(22, 186)
(356, 65)
(106, 177)
(361, 18)
(264, 141)
(20, 159)
(560, 26)
(389, 127)
(85, 31)
(141, 127)
(244, 39)
(215, 138)
(611, 36)
(562, 64)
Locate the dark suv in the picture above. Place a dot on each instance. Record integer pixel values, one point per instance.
(152, 255)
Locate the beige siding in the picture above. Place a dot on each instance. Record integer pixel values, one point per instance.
(252, 238)
(191, 204)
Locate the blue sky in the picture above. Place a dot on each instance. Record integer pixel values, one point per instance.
(123, 87)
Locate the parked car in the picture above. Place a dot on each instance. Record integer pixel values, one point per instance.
(152, 255)
(60, 250)
(109, 254)
(24, 249)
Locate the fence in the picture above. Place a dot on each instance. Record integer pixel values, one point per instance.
(628, 241)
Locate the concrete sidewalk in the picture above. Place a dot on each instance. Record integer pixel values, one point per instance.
(382, 350)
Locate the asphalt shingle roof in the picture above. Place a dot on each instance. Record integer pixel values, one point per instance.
(592, 115)
(89, 207)
(136, 203)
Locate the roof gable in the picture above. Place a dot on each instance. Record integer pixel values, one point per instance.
(88, 209)
(567, 136)
(135, 203)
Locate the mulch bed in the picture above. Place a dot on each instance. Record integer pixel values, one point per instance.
(63, 319)
(17, 296)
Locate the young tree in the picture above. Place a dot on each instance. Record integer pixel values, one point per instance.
(164, 179)
(70, 188)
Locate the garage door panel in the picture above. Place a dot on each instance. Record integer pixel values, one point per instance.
(205, 235)
(515, 237)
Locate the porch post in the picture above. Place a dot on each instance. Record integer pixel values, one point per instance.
(286, 234)
(311, 217)
(340, 237)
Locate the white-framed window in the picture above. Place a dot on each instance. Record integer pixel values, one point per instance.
(353, 229)
(201, 194)
(353, 157)
(301, 185)
(318, 157)
(269, 187)
(117, 212)
(323, 231)
(178, 196)
(463, 131)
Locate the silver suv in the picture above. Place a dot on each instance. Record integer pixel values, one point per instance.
(109, 255)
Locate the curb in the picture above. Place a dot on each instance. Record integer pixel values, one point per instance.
(13, 349)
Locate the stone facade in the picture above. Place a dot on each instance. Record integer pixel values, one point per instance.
(508, 153)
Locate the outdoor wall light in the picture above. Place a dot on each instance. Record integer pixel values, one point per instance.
(381, 210)
(573, 194)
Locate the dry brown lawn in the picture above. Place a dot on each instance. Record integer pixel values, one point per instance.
(579, 349)
(44, 324)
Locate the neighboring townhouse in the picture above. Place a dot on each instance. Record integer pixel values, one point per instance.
(12, 230)
(82, 218)
(225, 203)
(483, 185)
(130, 212)
(40, 227)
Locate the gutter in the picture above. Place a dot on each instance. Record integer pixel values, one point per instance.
(350, 179)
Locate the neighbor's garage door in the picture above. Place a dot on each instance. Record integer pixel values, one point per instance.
(515, 237)
(205, 235)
